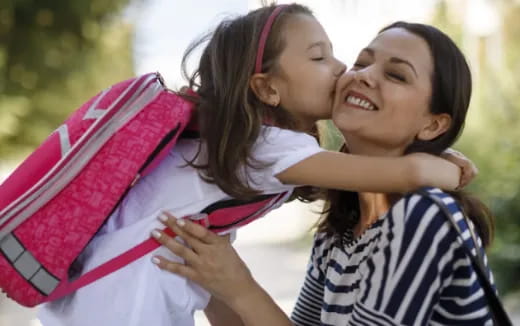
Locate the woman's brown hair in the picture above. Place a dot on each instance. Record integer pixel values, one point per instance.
(229, 113)
(451, 92)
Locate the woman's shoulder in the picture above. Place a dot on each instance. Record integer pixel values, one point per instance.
(427, 204)
(322, 248)
(323, 241)
(322, 245)
(431, 211)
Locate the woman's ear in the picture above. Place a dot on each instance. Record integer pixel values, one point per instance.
(264, 90)
(436, 126)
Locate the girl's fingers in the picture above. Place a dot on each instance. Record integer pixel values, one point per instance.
(467, 175)
(176, 268)
(468, 168)
(469, 172)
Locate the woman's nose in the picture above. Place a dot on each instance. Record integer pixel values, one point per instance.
(365, 77)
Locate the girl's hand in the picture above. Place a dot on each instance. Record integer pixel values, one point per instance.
(468, 169)
(426, 170)
(210, 260)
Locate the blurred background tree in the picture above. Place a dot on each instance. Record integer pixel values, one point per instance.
(488, 33)
(54, 55)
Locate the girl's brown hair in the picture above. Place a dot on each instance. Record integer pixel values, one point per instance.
(229, 113)
(451, 92)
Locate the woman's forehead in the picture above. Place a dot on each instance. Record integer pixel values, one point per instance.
(402, 44)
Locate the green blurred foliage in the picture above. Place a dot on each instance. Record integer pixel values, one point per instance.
(491, 138)
(54, 55)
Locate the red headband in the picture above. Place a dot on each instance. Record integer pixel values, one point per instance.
(264, 35)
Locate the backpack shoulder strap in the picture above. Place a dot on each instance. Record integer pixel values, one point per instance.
(221, 217)
(477, 261)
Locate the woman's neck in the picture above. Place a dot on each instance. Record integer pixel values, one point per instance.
(372, 205)
(360, 146)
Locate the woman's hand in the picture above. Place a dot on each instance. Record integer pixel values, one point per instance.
(468, 169)
(210, 260)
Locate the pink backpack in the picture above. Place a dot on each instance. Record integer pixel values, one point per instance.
(59, 197)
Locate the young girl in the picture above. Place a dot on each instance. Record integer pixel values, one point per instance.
(263, 81)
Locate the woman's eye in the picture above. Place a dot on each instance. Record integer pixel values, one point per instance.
(398, 77)
(318, 58)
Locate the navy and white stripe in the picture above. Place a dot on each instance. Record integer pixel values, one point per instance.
(408, 269)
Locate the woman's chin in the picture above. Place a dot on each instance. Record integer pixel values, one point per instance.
(345, 122)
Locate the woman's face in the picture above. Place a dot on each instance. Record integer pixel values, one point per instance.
(386, 104)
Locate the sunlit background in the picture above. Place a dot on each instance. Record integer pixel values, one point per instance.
(55, 54)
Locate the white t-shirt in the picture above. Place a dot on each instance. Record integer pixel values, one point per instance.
(140, 293)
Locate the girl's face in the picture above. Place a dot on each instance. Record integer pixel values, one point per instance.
(386, 104)
(306, 72)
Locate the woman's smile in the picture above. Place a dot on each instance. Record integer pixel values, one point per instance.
(359, 101)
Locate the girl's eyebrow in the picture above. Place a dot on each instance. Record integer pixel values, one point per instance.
(320, 44)
(371, 52)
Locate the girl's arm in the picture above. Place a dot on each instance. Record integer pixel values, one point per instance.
(211, 262)
(343, 171)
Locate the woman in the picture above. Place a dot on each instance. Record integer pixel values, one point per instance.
(377, 259)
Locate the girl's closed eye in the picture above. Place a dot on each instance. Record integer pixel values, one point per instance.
(318, 55)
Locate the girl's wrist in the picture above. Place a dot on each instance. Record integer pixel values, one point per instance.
(412, 172)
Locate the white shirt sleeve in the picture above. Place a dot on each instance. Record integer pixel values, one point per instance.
(279, 149)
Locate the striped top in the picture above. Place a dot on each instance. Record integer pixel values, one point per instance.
(408, 268)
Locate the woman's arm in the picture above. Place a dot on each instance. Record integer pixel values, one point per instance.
(212, 263)
(219, 314)
(343, 171)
